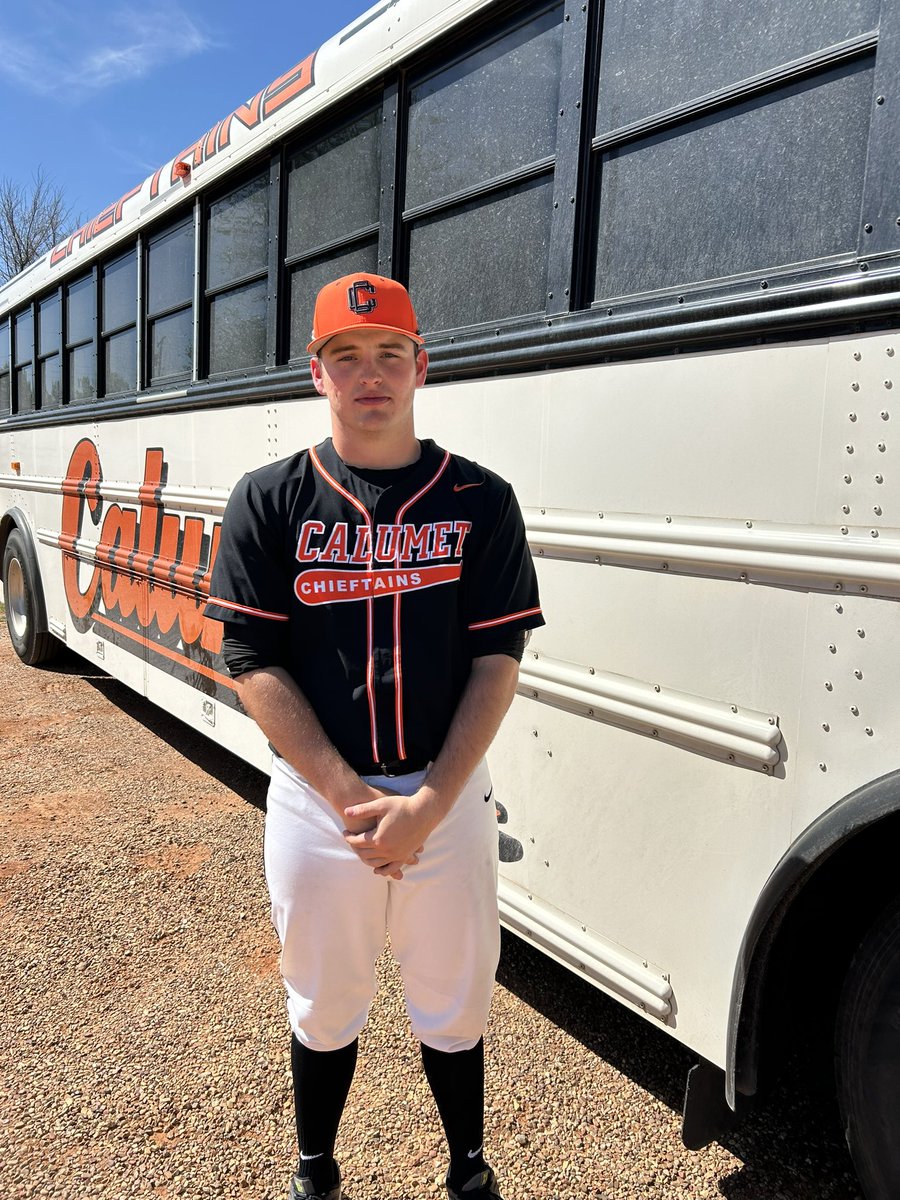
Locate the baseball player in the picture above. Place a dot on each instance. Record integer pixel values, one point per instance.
(376, 592)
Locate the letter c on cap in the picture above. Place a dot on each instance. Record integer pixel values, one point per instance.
(354, 294)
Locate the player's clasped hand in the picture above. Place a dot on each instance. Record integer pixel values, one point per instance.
(398, 828)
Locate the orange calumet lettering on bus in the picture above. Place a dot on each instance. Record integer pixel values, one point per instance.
(146, 566)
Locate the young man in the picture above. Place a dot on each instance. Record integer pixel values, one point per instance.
(376, 593)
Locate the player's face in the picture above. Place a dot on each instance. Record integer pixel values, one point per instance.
(370, 378)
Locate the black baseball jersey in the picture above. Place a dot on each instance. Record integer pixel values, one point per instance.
(383, 592)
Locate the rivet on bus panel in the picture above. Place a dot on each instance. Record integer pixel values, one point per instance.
(849, 448)
(890, 352)
(877, 510)
(855, 386)
(854, 710)
(844, 529)
(879, 479)
(861, 633)
(852, 416)
(822, 767)
(882, 447)
(845, 508)
(833, 648)
(848, 479)
(857, 355)
(869, 730)
(885, 415)
(839, 608)
(734, 708)
(826, 726)
(858, 673)
(874, 533)
(829, 686)
(838, 587)
(888, 384)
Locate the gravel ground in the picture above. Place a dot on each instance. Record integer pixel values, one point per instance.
(144, 1040)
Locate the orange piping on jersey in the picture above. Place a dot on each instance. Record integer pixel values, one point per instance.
(251, 612)
(370, 620)
(526, 612)
(398, 656)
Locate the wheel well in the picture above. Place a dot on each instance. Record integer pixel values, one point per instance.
(827, 918)
(12, 522)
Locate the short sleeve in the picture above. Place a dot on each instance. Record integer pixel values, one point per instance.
(249, 580)
(502, 588)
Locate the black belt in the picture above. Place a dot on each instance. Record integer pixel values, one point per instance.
(399, 766)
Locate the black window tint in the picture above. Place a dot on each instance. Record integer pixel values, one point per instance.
(772, 181)
(82, 373)
(333, 186)
(237, 329)
(48, 325)
(170, 308)
(4, 367)
(121, 362)
(120, 292)
(25, 388)
(307, 279)
(51, 381)
(501, 242)
(492, 113)
(24, 326)
(170, 268)
(80, 311)
(660, 53)
(238, 233)
(171, 345)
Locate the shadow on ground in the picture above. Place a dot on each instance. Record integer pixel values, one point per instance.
(789, 1141)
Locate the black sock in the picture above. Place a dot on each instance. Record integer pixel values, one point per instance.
(457, 1084)
(322, 1081)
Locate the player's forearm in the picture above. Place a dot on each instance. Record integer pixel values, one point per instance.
(278, 706)
(482, 707)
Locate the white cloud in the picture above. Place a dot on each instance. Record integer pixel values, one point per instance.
(61, 53)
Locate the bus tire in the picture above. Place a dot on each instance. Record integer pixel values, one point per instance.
(868, 1057)
(20, 598)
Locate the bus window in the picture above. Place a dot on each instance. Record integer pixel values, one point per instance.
(478, 194)
(237, 277)
(755, 181)
(81, 351)
(4, 368)
(24, 360)
(170, 310)
(656, 55)
(119, 325)
(333, 198)
(49, 359)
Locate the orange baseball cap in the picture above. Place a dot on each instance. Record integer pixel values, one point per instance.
(362, 301)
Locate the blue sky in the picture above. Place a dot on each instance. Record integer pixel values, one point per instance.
(99, 94)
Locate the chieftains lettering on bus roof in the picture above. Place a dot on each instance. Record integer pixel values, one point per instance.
(265, 104)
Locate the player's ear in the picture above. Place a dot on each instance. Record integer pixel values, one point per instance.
(421, 366)
(315, 368)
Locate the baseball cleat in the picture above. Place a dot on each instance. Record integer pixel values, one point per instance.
(302, 1188)
(482, 1186)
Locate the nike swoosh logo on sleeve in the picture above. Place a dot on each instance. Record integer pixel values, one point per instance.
(461, 487)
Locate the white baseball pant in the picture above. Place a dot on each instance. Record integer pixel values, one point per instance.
(332, 912)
